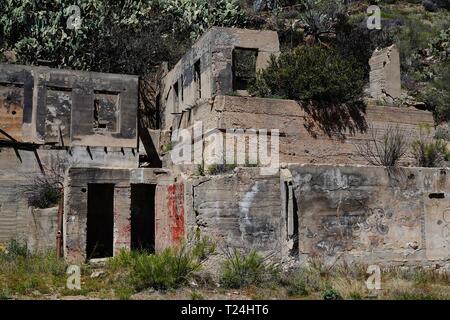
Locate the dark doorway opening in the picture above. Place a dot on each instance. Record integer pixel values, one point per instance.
(100, 221)
(143, 217)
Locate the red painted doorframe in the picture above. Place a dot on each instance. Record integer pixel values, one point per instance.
(169, 215)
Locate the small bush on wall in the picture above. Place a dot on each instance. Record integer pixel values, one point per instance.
(386, 150)
(311, 73)
(44, 196)
(430, 152)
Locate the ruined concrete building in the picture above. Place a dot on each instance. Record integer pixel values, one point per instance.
(385, 73)
(323, 199)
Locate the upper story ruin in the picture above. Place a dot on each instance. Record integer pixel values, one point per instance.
(221, 62)
(64, 108)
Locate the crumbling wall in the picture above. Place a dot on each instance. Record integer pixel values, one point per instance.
(18, 169)
(76, 204)
(42, 229)
(68, 108)
(372, 214)
(66, 117)
(385, 83)
(240, 210)
(303, 138)
(357, 213)
(207, 69)
(170, 216)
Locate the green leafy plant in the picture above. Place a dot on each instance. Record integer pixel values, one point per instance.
(311, 73)
(168, 146)
(200, 170)
(124, 292)
(16, 249)
(195, 295)
(331, 294)
(442, 133)
(303, 282)
(120, 36)
(320, 17)
(23, 272)
(240, 270)
(429, 152)
(44, 190)
(436, 93)
(169, 269)
(215, 169)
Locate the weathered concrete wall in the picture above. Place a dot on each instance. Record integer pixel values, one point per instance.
(303, 138)
(373, 215)
(170, 216)
(20, 167)
(68, 108)
(214, 54)
(57, 117)
(18, 170)
(385, 80)
(239, 210)
(42, 229)
(357, 213)
(76, 198)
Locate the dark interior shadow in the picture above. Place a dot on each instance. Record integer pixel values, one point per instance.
(335, 120)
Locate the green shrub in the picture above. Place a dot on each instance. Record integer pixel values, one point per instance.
(22, 272)
(430, 153)
(357, 42)
(16, 249)
(321, 18)
(200, 170)
(420, 277)
(331, 294)
(442, 133)
(167, 270)
(386, 150)
(125, 259)
(195, 295)
(46, 196)
(124, 292)
(440, 46)
(311, 73)
(437, 92)
(5, 294)
(203, 246)
(168, 147)
(215, 169)
(243, 270)
(129, 36)
(303, 282)
(412, 294)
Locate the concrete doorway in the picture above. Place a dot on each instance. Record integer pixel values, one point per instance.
(100, 221)
(143, 217)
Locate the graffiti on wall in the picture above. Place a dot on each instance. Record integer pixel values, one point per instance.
(339, 231)
(445, 224)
